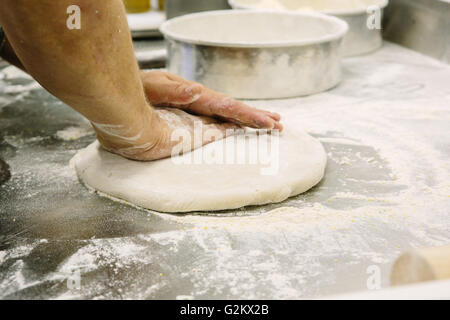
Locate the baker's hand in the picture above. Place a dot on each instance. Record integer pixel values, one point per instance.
(166, 89)
(162, 132)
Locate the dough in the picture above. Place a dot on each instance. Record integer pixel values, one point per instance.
(294, 162)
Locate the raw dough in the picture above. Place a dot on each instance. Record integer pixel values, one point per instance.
(168, 186)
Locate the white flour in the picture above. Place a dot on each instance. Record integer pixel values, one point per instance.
(73, 133)
(387, 190)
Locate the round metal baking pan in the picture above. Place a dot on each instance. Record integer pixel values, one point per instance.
(359, 40)
(257, 54)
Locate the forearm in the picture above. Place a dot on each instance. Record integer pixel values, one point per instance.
(93, 69)
(8, 54)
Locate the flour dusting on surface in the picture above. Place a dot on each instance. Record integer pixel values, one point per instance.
(386, 190)
(73, 133)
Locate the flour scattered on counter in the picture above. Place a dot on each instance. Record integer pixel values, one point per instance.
(386, 190)
(340, 141)
(181, 297)
(73, 133)
(12, 72)
(22, 88)
(2, 256)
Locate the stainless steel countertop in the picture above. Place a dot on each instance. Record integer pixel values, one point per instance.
(386, 131)
(421, 25)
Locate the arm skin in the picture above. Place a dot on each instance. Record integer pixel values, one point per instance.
(94, 70)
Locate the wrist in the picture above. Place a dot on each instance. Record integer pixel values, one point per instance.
(137, 134)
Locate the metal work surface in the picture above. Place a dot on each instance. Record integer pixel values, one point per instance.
(422, 25)
(386, 131)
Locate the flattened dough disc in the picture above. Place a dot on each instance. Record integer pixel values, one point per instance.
(168, 186)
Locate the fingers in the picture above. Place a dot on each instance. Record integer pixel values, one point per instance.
(184, 93)
(215, 104)
(273, 115)
(219, 131)
(189, 91)
(162, 88)
(166, 89)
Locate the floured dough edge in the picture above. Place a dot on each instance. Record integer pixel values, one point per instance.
(126, 202)
(164, 209)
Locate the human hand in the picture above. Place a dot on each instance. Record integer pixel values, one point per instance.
(181, 107)
(156, 135)
(166, 89)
